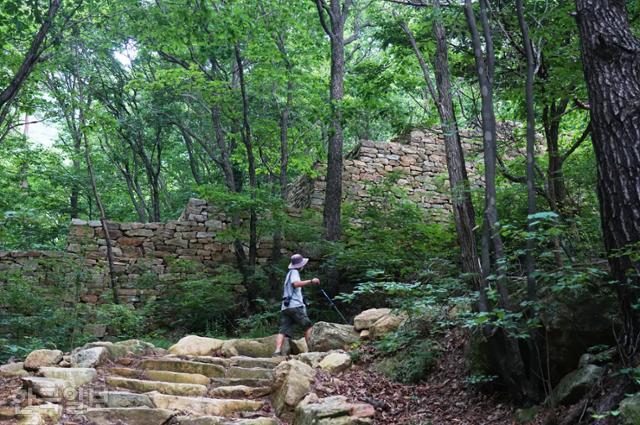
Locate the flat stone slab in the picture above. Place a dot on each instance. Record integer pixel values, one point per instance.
(128, 415)
(51, 411)
(204, 406)
(124, 399)
(126, 372)
(240, 391)
(220, 361)
(49, 388)
(251, 362)
(13, 369)
(176, 377)
(162, 387)
(75, 376)
(184, 366)
(249, 382)
(217, 420)
(249, 372)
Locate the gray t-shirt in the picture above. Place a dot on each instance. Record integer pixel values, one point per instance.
(291, 291)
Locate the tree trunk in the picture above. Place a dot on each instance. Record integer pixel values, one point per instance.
(611, 61)
(505, 348)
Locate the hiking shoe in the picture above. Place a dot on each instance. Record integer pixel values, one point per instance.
(277, 354)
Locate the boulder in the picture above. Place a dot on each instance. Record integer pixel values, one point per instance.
(75, 377)
(292, 382)
(336, 362)
(193, 345)
(90, 357)
(630, 410)
(312, 358)
(333, 410)
(39, 358)
(574, 385)
(126, 348)
(257, 347)
(31, 419)
(597, 358)
(367, 318)
(386, 324)
(297, 346)
(13, 369)
(332, 336)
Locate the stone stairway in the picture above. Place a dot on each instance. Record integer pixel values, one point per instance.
(186, 390)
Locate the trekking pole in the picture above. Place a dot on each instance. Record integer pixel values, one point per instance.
(333, 305)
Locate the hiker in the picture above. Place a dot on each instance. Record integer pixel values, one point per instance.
(293, 310)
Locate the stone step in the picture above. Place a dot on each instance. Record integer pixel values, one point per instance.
(220, 361)
(239, 391)
(128, 415)
(75, 376)
(216, 420)
(249, 382)
(124, 399)
(184, 366)
(249, 372)
(204, 406)
(263, 362)
(176, 377)
(48, 388)
(126, 372)
(142, 386)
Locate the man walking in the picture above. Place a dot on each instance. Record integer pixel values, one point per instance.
(293, 310)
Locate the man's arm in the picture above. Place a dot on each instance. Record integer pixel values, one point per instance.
(300, 283)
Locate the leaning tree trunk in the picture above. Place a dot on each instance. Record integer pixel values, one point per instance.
(611, 61)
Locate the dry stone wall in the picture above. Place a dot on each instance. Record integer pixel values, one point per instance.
(419, 159)
(148, 255)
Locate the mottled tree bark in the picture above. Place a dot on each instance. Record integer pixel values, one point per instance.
(337, 12)
(611, 61)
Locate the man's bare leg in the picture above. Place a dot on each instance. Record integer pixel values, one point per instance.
(279, 342)
(307, 334)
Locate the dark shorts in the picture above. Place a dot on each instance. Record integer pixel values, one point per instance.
(291, 317)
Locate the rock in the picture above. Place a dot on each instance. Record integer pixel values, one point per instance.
(128, 415)
(630, 410)
(250, 382)
(39, 358)
(526, 415)
(204, 406)
(292, 382)
(220, 361)
(176, 377)
(336, 362)
(91, 357)
(124, 348)
(31, 419)
(257, 347)
(385, 325)
(333, 410)
(312, 358)
(597, 358)
(184, 366)
(332, 336)
(217, 420)
(193, 345)
(161, 387)
(45, 387)
(50, 411)
(13, 369)
(123, 399)
(251, 373)
(367, 318)
(126, 372)
(574, 385)
(76, 376)
(243, 361)
(240, 391)
(365, 334)
(297, 346)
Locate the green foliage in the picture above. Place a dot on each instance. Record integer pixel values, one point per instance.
(205, 304)
(122, 321)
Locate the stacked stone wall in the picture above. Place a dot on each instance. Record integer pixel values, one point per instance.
(417, 157)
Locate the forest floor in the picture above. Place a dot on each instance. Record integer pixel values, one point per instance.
(445, 397)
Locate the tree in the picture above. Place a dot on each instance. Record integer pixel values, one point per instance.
(611, 60)
(337, 12)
